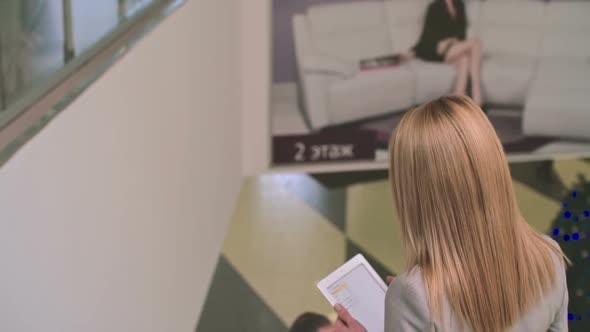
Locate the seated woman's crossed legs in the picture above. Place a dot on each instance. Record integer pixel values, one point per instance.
(458, 52)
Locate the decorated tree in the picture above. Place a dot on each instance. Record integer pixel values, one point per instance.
(571, 229)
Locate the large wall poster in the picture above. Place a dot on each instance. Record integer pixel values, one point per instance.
(342, 78)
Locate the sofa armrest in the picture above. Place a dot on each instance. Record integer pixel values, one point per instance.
(308, 59)
(313, 84)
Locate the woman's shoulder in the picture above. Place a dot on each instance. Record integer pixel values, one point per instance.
(408, 286)
(555, 245)
(558, 260)
(406, 305)
(551, 240)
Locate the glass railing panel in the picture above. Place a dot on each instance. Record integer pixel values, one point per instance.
(61, 45)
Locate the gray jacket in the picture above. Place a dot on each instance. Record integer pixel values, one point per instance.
(406, 307)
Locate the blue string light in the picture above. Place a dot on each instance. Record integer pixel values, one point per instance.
(572, 316)
(571, 229)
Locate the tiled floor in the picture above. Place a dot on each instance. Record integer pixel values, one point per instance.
(289, 231)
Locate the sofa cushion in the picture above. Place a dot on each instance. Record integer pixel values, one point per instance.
(505, 80)
(405, 19)
(566, 44)
(567, 14)
(406, 11)
(473, 11)
(432, 80)
(566, 29)
(557, 67)
(553, 75)
(511, 27)
(562, 113)
(371, 93)
(351, 31)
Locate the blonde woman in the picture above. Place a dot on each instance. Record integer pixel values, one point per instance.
(473, 262)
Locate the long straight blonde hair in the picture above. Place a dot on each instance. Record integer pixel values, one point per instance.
(459, 218)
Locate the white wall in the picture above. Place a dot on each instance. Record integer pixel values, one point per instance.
(111, 219)
(256, 75)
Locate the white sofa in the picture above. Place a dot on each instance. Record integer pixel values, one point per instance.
(536, 56)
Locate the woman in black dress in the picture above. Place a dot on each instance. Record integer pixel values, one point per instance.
(443, 39)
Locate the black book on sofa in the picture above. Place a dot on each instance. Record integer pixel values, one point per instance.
(381, 62)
